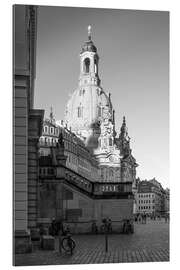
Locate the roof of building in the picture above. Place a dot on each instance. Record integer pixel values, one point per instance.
(89, 46)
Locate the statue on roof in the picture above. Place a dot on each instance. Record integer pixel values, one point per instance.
(60, 140)
(51, 116)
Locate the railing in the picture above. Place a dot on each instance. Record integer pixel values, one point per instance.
(92, 188)
(79, 181)
(99, 188)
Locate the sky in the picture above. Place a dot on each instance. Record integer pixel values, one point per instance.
(133, 47)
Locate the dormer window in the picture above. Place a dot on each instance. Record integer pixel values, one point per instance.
(46, 129)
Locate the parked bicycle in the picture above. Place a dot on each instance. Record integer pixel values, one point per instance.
(68, 244)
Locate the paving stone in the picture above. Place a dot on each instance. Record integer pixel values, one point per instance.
(149, 243)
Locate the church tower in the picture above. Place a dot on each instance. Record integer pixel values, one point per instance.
(88, 103)
(89, 63)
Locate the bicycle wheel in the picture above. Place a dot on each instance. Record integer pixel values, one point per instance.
(68, 244)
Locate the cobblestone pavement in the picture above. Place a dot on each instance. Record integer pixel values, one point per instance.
(149, 243)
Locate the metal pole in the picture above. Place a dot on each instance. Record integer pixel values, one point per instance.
(106, 242)
(60, 249)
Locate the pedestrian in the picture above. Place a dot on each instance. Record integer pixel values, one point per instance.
(94, 227)
(140, 218)
(109, 225)
(145, 217)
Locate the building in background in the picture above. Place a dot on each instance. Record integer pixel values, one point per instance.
(151, 198)
(27, 124)
(166, 200)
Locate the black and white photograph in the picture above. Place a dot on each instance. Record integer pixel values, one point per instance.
(90, 135)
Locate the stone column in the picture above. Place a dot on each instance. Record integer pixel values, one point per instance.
(34, 132)
(20, 156)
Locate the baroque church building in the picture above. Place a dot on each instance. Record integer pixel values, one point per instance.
(90, 115)
(87, 171)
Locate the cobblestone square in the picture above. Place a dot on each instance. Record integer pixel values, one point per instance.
(149, 243)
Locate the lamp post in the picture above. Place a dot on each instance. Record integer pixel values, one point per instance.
(106, 226)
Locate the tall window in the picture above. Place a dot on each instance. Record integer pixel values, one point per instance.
(81, 92)
(80, 111)
(86, 65)
(46, 129)
(52, 130)
(100, 110)
(95, 66)
(110, 142)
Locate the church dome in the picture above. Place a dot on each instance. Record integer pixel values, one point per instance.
(86, 107)
(89, 104)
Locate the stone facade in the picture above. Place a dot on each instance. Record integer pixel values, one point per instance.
(89, 114)
(71, 197)
(78, 156)
(27, 124)
(151, 197)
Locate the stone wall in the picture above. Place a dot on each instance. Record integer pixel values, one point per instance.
(79, 210)
(34, 131)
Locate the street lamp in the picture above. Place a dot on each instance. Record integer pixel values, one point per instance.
(106, 229)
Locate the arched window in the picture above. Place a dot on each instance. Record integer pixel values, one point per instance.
(79, 112)
(99, 111)
(95, 66)
(46, 129)
(45, 140)
(105, 142)
(86, 65)
(111, 173)
(52, 130)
